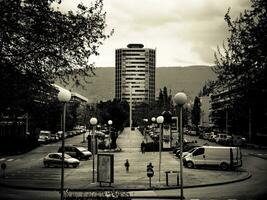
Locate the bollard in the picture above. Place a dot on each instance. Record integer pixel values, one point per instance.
(167, 178)
(178, 179)
(3, 167)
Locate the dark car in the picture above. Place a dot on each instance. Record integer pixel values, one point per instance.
(76, 152)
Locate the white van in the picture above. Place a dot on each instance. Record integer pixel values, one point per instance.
(44, 136)
(224, 157)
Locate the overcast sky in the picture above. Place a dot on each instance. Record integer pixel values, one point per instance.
(184, 32)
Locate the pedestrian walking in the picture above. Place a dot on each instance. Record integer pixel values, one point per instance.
(143, 147)
(127, 165)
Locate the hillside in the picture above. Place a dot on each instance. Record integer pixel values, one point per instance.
(188, 79)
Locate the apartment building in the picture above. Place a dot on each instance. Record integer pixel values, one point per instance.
(135, 74)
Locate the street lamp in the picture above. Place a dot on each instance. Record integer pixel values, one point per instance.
(64, 96)
(145, 122)
(109, 131)
(93, 122)
(160, 120)
(180, 99)
(153, 119)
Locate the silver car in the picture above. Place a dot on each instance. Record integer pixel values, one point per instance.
(55, 159)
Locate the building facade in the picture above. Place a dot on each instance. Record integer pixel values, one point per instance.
(234, 114)
(205, 120)
(135, 74)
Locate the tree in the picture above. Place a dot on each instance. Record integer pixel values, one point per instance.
(241, 66)
(118, 112)
(160, 98)
(196, 112)
(39, 44)
(208, 88)
(164, 101)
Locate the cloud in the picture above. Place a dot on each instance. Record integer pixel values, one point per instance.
(183, 31)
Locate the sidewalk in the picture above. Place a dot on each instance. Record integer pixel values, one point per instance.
(136, 179)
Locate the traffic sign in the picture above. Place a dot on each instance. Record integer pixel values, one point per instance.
(150, 172)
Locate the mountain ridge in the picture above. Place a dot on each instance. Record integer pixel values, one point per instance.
(189, 79)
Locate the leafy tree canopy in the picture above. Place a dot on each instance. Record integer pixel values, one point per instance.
(243, 62)
(196, 111)
(39, 44)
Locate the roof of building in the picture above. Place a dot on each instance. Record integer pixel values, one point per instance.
(135, 45)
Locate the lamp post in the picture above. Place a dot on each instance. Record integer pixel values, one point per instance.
(109, 131)
(145, 122)
(93, 122)
(180, 99)
(64, 96)
(153, 119)
(160, 120)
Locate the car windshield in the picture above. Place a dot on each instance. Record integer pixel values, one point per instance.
(191, 150)
(82, 149)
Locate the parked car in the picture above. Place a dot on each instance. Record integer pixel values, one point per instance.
(212, 137)
(221, 138)
(238, 140)
(55, 159)
(224, 157)
(76, 152)
(100, 134)
(206, 136)
(54, 137)
(201, 136)
(44, 136)
(229, 140)
(70, 133)
(193, 133)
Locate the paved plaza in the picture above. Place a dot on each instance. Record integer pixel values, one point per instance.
(135, 179)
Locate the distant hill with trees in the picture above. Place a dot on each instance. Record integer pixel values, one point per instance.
(189, 79)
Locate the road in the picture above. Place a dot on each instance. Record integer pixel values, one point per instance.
(253, 188)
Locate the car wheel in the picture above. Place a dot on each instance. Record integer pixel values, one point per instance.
(75, 165)
(190, 164)
(46, 164)
(224, 166)
(67, 165)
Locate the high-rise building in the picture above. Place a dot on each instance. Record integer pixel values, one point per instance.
(135, 72)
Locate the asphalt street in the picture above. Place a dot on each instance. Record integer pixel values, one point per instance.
(29, 167)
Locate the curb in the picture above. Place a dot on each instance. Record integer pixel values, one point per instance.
(258, 156)
(248, 176)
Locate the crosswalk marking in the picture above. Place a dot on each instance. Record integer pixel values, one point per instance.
(10, 159)
(2, 159)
